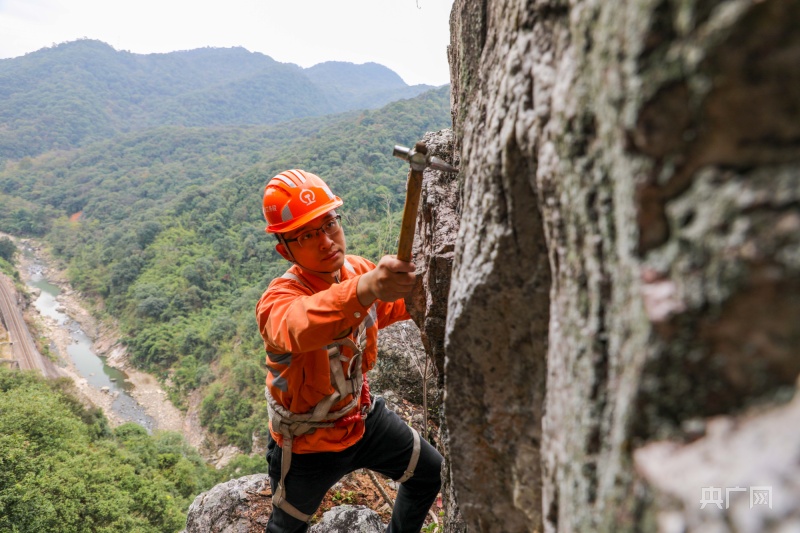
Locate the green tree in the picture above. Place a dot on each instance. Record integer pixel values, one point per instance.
(59, 473)
(7, 249)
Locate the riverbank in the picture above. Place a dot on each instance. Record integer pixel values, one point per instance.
(146, 390)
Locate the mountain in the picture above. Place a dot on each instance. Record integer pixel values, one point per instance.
(358, 86)
(85, 90)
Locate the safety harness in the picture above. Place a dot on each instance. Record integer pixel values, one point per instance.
(352, 383)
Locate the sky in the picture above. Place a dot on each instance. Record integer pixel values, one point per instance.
(408, 36)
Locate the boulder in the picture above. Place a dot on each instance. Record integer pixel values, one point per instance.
(349, 519)
(233, 507)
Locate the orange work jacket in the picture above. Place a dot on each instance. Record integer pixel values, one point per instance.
(298, 320)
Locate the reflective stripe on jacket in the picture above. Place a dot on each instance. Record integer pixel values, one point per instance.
(298, 321)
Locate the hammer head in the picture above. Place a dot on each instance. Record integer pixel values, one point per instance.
(419, 159)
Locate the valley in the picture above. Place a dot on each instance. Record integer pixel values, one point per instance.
(152, 409)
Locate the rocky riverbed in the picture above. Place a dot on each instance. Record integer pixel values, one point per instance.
(147, 391)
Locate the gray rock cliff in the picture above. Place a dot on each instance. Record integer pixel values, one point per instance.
(622, 324)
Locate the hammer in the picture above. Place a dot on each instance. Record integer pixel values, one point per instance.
(419, 160)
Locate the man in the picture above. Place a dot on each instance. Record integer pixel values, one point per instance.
(320, 324)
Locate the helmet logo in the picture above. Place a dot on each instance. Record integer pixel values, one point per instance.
(308, 197)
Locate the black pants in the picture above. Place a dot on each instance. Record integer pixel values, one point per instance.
(385, 448)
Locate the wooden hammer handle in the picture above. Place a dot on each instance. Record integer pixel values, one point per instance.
(409, 224)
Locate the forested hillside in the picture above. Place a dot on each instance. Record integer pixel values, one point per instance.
(163, 229)
(62, 468)
(84, 91)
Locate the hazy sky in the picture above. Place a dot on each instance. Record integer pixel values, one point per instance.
(408, 36)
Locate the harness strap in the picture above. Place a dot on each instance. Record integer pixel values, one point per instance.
(337, 374)
(279, 498)
(322, 408)
(284, 421)
(412, 463)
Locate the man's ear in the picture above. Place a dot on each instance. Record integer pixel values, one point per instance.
(281, 249)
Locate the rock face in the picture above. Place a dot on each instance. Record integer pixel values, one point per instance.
(230, 507)
(349, 519)
(402, 362)
(434, 251)
(622, 323)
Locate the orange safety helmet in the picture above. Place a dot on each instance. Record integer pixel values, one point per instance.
(296, 197)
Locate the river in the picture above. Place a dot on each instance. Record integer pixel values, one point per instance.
(88, 364)
(89, 352)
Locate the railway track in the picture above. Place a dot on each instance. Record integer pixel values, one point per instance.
(24, 349)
